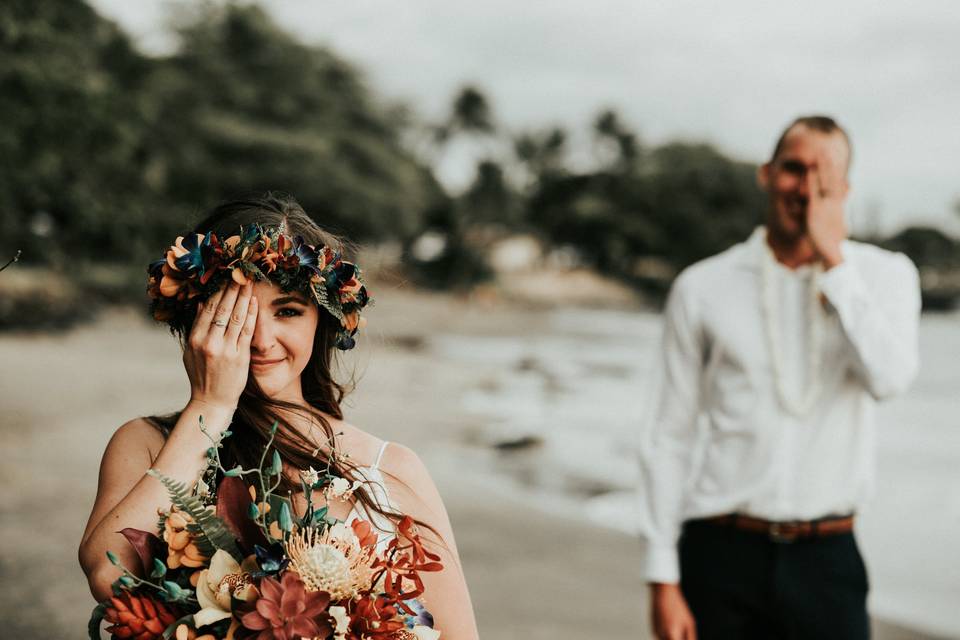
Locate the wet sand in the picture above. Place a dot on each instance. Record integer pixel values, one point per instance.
(532, 573)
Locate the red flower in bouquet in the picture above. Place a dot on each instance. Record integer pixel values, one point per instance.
(406, 557)
(137, 616)
(366, 537)
(286, 611)
(375, 618)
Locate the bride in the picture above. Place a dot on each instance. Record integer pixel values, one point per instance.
(258, 352)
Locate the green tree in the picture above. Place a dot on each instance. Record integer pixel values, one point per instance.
(541, 154)
(73, 148)
(244, 106)
(677, 202)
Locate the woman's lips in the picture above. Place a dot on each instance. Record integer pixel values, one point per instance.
(265, 363)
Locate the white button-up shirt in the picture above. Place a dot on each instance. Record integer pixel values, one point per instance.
(720, 442)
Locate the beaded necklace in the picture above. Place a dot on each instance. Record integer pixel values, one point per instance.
(770, 306)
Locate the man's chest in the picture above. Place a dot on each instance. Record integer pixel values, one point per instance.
(754, 330)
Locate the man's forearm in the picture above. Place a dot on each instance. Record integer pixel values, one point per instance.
(883, 336)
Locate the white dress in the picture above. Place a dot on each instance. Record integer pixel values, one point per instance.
(384, 527)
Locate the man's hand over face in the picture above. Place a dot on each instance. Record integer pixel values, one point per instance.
(827, 193)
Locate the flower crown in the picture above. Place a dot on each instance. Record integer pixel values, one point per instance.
(198, 265)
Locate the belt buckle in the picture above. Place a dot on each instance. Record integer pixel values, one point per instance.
(777, 533)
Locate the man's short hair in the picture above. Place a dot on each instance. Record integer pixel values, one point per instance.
(823, 124)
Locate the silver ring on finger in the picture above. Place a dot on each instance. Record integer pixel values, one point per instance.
(220, 323)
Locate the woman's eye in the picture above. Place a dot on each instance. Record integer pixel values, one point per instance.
(289, 313)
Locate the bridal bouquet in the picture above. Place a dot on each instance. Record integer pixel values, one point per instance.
(241, 565)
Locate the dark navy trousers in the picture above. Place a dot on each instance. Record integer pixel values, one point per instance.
(743, 585)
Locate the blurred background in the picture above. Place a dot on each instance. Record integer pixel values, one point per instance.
(523, 182)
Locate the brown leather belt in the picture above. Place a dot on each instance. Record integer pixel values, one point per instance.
(786, 531)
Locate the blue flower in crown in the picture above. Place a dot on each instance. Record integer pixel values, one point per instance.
(191, 259)
(306, 255)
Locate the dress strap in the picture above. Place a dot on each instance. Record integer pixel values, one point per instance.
(376, 465)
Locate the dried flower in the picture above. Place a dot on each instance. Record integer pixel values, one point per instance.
(340, 488)
(310, 477)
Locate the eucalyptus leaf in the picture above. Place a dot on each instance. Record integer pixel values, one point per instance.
(174, 590)
(277, 465)
(285, 520)
(176, 593)
(159, 569)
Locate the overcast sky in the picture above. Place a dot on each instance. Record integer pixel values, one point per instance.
(731, 73)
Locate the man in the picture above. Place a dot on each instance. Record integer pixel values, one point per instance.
(760, 449)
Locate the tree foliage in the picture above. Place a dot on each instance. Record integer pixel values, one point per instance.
(73, 146)
(244, 106)
(107, 152)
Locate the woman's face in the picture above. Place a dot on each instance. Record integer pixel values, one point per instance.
(282, 341)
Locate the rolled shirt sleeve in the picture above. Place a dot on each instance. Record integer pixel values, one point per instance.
(669, 436)
(880, 318)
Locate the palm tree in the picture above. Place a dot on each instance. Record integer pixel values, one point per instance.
(470, 114)
(612, 135)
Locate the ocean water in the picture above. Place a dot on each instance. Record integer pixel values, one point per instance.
(563, 409)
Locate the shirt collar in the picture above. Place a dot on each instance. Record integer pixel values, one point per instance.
(756, 250)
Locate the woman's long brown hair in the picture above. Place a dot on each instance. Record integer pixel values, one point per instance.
(256, 412)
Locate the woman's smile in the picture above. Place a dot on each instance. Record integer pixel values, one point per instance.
(265, 363)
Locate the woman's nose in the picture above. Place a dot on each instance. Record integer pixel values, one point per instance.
(263, 334)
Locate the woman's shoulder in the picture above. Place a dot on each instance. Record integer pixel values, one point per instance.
(363, 447)
(410, 474)
(369, 450)
(402, 468)
(138, 434)
(401, 460)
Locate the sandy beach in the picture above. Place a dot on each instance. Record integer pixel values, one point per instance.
(534, 571)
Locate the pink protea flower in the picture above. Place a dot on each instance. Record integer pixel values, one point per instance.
(286, 611)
